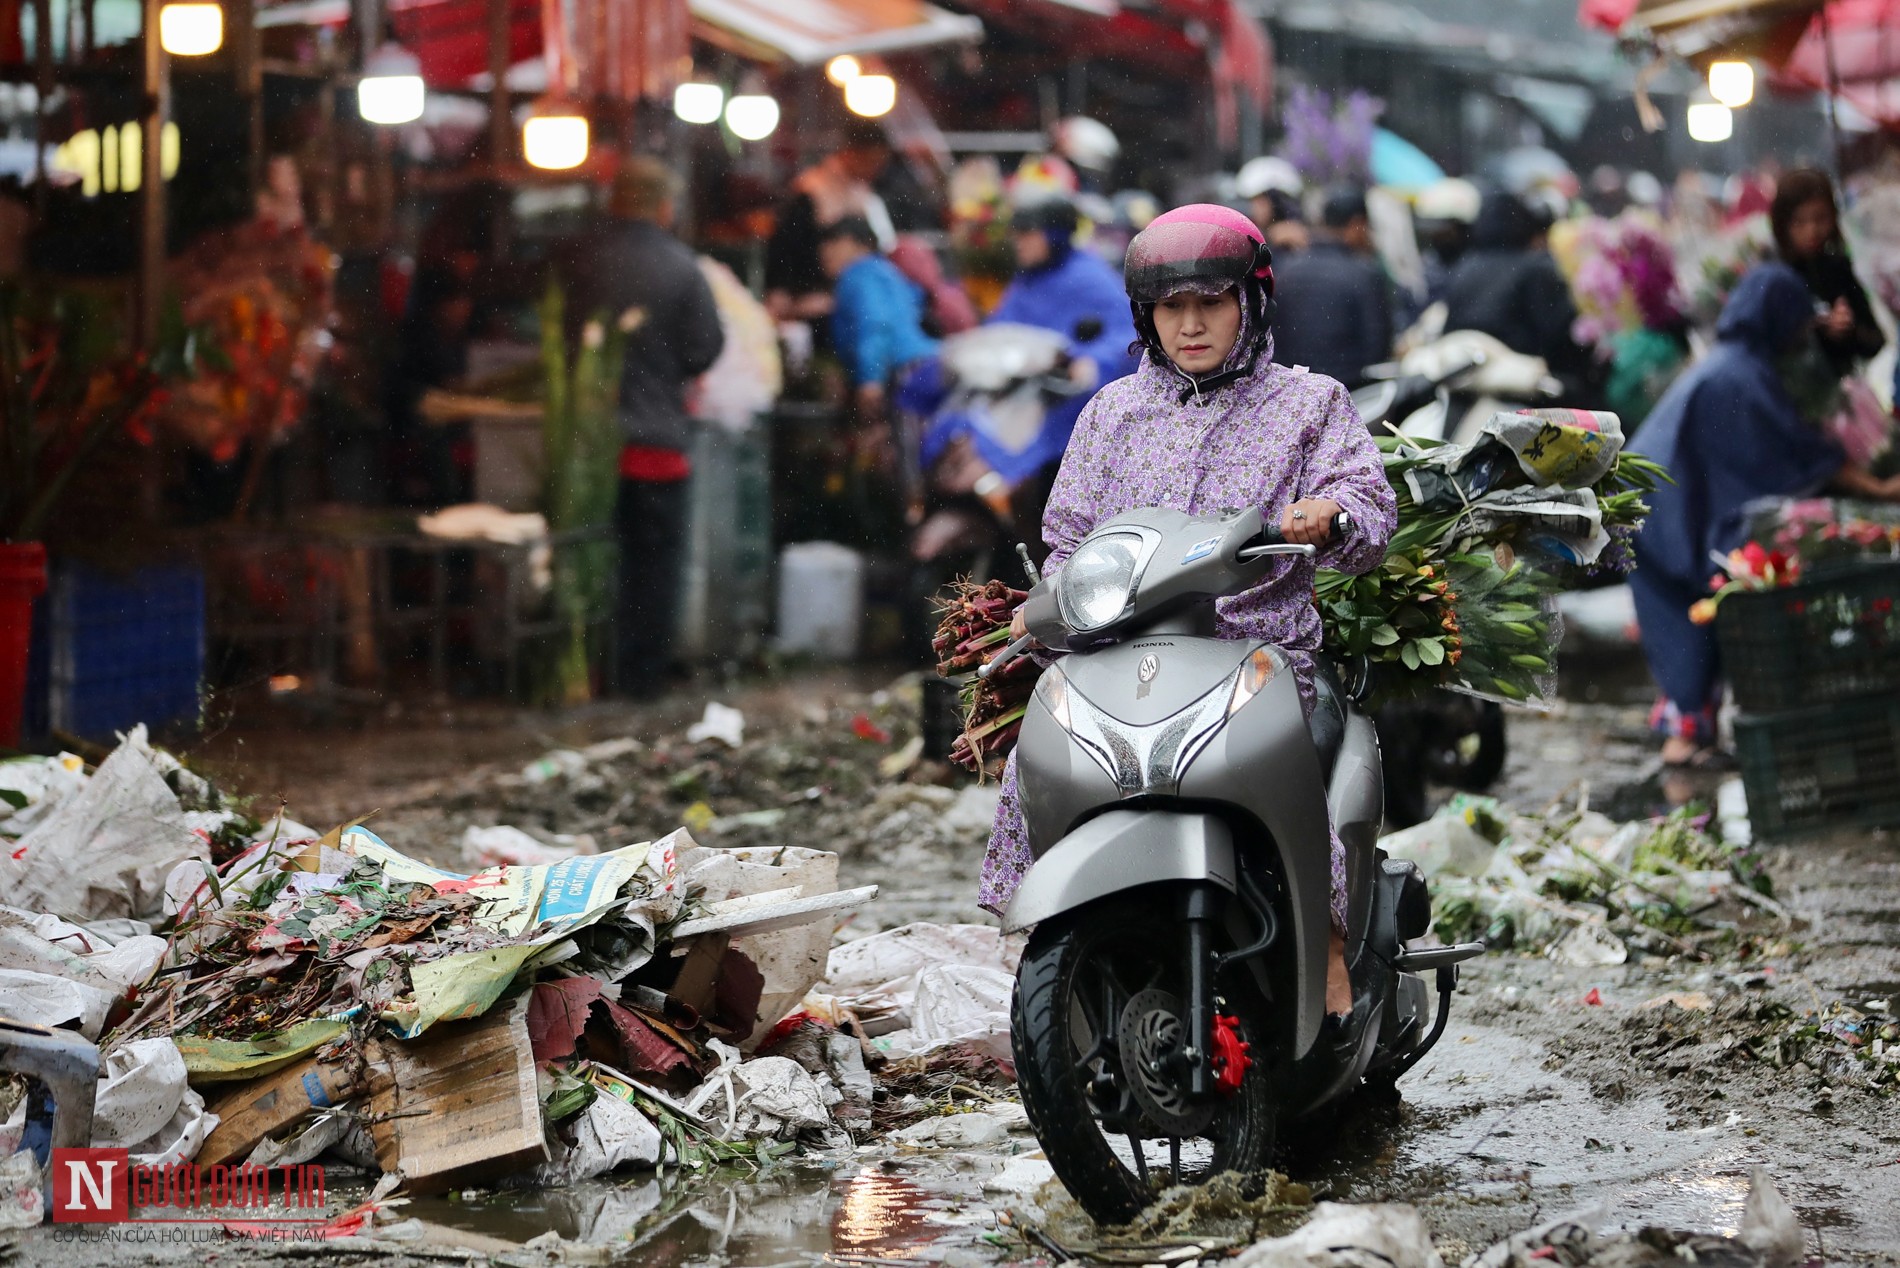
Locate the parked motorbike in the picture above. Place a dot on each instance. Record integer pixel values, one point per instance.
(1450, 386)
(985, 452)
(1168, 1018)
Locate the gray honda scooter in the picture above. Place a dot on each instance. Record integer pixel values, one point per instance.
(1169, 1014)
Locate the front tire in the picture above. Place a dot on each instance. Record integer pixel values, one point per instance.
(1083, 967)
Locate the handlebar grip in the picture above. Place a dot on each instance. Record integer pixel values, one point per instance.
(1270, 534)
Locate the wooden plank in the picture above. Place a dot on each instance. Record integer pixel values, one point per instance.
(460, 1104)
(753, 920)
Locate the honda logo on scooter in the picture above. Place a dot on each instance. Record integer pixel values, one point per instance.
(1148, 668)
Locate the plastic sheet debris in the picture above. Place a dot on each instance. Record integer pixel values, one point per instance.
(21, 1198)
(959, 1007)
(878, 977)
(30, 787)
(607, 1135)
(766, 1097)
(1447, 844)
(974, 1130)
(1770, 1236)
(1590, 946)
(503, 846)
(720, 722)
(105, 849)
(144, 1105)
(1021, 1177)
(1342, 1236)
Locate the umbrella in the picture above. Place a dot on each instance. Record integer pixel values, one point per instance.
(1397, 163)
(1853, 43)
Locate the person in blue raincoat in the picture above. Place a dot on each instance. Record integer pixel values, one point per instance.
(1729, 433)
(1072, 292)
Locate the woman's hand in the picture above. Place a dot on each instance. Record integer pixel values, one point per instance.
(1837, 321)
(1017, 626)
(1309, 521)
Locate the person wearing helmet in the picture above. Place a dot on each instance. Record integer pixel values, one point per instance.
(1207, 423)
(1074, 293)
(1091, 148)
(1272, 188)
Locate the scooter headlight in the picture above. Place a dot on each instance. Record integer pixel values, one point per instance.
(1098, 580)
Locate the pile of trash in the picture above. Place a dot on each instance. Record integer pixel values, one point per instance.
(258, 993)
(1588, 890)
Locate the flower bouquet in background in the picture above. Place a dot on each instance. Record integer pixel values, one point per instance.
(1752, 567)
(1330, 142)
(1826, 534)
(972, 626)
(980, 249)
(581, 432)
(258, 301)
(1623, 275)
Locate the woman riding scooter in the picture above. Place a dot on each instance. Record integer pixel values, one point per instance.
(1208, 423)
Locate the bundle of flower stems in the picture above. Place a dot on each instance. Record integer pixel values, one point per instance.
(1473, 611)
(973, 627)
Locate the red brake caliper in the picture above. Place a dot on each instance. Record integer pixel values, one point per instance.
(1230, 1054)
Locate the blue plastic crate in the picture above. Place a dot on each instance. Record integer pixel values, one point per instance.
(116, 650)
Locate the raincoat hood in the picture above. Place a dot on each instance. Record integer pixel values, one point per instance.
(1766, 310)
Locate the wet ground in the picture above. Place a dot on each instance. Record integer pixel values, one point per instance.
(1537, 1102)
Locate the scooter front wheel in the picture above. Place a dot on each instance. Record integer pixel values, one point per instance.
(1097, 1011)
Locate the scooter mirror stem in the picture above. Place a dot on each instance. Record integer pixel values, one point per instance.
(1029, 565)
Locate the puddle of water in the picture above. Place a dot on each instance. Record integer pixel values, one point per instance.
(890, 1212)
(880, 1216)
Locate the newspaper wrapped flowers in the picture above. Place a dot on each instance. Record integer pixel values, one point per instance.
(1488, 533)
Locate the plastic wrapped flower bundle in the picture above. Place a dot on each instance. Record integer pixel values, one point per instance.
(1488, 533)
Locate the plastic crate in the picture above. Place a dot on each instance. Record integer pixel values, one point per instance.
(1831, 638)
(122, 649)
(1836, 766)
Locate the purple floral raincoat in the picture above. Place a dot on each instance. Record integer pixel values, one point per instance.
(1267, 440)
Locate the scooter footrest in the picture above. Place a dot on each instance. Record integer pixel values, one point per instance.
(1429, 958)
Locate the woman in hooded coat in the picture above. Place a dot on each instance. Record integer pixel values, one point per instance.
(1729, 433)
(1207, 423)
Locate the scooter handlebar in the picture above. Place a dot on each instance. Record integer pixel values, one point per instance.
(1273, 541)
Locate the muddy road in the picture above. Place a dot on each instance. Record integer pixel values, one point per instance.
(1648, 1089)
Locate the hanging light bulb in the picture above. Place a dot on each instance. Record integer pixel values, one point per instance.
(871, 95)
(842, 69)
(752, 116)
(391, 89)
(1732, 83)
(1710, 121)
(190, 30)
(699, 103)
(554, 137)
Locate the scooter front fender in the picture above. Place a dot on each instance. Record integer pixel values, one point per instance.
(1122, 850)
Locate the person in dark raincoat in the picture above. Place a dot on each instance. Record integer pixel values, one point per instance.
(1729, 433)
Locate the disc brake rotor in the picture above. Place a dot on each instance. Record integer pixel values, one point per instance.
(1153, 1031)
